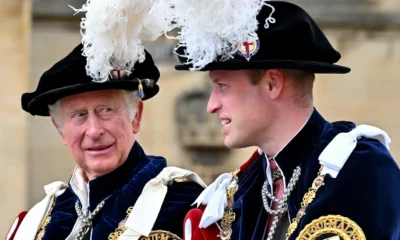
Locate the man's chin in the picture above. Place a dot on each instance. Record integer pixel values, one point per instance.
(232, 144)
(101, 167)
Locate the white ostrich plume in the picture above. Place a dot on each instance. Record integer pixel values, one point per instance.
(112, 34)
(210, 28)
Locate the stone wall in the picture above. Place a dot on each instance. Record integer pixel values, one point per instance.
(14, 69)
(369, 93)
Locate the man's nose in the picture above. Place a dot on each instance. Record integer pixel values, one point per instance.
(95, 127)
(213, 103)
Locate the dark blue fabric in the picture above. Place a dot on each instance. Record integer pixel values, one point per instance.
(124, 185)
(366, 190)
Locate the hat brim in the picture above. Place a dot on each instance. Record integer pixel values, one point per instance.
(308, 66)
(39, 105)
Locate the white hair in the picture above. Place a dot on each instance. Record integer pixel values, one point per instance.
(130, 97)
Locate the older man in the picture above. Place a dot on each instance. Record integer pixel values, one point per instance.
(107, 196)
(94, 97)
(311, 179)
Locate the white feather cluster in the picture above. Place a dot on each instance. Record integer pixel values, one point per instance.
(210, 28)
(112, 32)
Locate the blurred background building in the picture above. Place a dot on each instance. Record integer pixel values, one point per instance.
(35, 34)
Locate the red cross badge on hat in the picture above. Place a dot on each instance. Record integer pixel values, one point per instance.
(249, 49)
(119, 73)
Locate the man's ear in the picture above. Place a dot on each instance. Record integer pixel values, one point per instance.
(59, 129)
(136, 122)
(275, 83)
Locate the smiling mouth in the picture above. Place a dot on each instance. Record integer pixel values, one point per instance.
(224, 122)
(99, 148)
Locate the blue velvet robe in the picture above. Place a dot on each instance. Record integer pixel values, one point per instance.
(124, 184)
(366, 190)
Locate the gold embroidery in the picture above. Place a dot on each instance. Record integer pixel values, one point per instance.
(160, 235)
(342, 227)
(180, 180)
(333, 238)
(46, 220)
(40, 233)
(308, 198)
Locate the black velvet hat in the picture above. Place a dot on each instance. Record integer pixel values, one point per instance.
(68, 77)
(293, 41)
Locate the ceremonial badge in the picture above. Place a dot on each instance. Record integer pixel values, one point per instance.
(332, 227)
(249, 49)
(119, 73)
(160, 235)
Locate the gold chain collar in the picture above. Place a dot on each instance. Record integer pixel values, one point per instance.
(308, 198)
(229, 216)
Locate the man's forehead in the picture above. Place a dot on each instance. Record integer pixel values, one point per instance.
(217, 75)
(100, 96)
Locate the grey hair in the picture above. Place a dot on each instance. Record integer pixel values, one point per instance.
(130, 97)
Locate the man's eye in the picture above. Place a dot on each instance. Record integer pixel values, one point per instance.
(79, 115)
(107, 109)
(221, 85)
